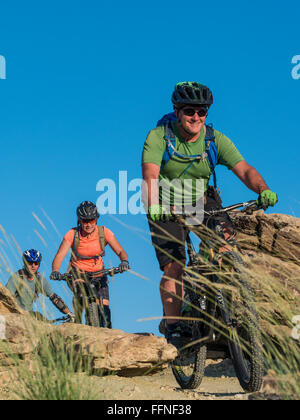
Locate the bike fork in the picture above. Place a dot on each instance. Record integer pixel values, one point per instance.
(225, 313)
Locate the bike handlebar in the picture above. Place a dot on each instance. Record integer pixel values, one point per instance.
(249, 207)
(108, 272)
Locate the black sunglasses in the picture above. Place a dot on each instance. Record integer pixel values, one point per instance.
(190, 112)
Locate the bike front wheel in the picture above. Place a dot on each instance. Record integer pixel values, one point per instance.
(247, 363)
(245, 342)
(188, 368)
(93, 315)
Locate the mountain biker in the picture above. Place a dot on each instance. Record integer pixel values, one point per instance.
(27, 283)
(88, 243)
(191, 102)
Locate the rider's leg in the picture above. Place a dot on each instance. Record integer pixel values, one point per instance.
(171, 290)
(107, 314)
(169, 241)
(103, 295)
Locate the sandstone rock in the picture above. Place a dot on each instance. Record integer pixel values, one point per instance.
(23, 335)
(111, 351)
(271, 248)
(271, 244)
(119, 352)
(8, 303)
(274, 234)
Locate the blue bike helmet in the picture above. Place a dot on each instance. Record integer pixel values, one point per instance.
(32, 255)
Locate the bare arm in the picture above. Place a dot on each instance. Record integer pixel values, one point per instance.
(150, 177)
(250, 177)
(61, 255)
(118, 249)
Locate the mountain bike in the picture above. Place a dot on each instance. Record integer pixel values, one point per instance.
(219, 309)
(86, 292)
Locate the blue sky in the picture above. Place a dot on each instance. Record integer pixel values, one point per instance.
(85, 83)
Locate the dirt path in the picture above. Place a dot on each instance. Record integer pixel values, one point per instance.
(219, 383)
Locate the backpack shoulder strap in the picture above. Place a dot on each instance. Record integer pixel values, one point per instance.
(38, 285)
(170, 144)
(211, 150)
(74, 252)
(75, 245)
(20, 274)
(169, 136)
(102, 239)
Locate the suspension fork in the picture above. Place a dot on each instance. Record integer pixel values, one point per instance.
(223, 306)
(209, 254)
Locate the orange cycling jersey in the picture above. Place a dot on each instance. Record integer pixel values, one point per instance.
(89, 246)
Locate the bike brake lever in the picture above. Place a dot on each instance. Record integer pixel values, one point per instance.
(111, 272)
(252, 208)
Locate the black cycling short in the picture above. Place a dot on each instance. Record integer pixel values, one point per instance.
(169, 238)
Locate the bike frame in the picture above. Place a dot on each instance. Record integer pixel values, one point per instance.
(213, 298)
(217, 302)
(86, 291)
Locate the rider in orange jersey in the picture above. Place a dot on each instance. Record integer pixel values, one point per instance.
(87, 243)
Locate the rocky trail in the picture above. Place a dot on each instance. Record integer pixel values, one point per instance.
(120, 362)
(219, 383)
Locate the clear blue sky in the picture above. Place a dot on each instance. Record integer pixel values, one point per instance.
(87, 80)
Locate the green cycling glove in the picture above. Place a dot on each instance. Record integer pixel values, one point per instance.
(157, 213)
(267, 198)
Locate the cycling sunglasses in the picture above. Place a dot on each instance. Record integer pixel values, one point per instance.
(86, 221)
(190, 112)
(33, 263)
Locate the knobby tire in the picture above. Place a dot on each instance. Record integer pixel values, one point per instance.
(194, 380)
(245, 345)
(94, 315)
(196, 354)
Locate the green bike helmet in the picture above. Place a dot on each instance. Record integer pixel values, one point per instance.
(191, 93)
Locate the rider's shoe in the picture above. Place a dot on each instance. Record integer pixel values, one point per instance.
(177, 335)
(162, 327)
